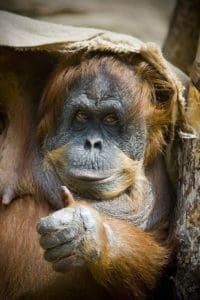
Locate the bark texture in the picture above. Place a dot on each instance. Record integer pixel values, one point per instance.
(181, 48)
(188, 219)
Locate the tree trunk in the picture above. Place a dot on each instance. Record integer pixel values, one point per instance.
(187, 278)
(180, 48)
(188, 219)
(182, 39)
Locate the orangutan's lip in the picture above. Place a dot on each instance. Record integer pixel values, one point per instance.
(91, 178)
(88, 177)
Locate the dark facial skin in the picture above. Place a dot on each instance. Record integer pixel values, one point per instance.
(94, 135)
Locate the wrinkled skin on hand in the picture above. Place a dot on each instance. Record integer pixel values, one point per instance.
(71, 237)
(115, 252)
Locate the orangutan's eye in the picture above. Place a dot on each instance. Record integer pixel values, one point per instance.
(110, 119)
(81, 117)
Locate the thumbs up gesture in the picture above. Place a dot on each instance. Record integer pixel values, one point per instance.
(72, 236)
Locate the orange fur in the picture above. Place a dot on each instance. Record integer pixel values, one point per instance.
(23, 270)
(132, 269)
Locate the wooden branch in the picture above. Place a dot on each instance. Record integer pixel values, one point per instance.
(182, 39)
